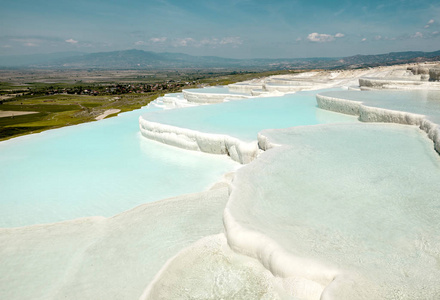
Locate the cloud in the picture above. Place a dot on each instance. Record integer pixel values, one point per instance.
(28, 42)
(430, 22)
(158, 40)
(364, 39)
(320, 37)
(212, 42)
(417, 35)
(233, 41)
(49, 42)
(152, 41)
(71, 41)
(208, 42)
(184, 42)
(6, 46)
(385, 38)
(323, 38)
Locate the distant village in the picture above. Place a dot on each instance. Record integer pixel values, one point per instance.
(113, 89)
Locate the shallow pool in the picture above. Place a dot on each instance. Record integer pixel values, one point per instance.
(96, 169)
(243, 119)
(424, 102)
(215, 90)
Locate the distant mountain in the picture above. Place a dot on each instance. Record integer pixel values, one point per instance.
(138, 59)
(390, 58)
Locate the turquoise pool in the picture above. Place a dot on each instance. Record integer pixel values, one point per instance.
(96, 169)
(243, 119)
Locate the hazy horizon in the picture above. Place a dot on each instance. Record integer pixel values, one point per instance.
(232, 29)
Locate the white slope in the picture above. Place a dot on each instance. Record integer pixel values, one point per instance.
(105, 258)
(353, 208)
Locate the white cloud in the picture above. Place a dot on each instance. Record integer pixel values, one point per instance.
(7, 46)
(299, 39)
(71, 41)
(184, 42)
(233, 41)
(430, 22)
(158, 39)
(364, 39)
(417, 35)
(230, 40)
(140, 43)
(209, 42)
(322, 37)
(28, 42)
(384, 38)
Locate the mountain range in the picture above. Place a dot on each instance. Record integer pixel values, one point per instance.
(139, 59)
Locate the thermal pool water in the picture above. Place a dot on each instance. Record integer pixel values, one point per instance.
(96, 169)
(411, 107)
(243, 119)
(231, 128)
(422, 102)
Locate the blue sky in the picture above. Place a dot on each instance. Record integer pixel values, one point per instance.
(237, 29)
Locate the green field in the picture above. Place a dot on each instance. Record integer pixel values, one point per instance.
(56, 111)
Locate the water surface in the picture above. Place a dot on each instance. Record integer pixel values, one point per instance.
(424, 102)
(96, 169)
(245, 118)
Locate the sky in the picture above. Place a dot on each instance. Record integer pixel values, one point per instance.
(226, 28)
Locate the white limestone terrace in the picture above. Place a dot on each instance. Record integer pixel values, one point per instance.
(171, 101)
(225, 129)
(320, 79)
(105, 258)
(398, 84)
(344, 211)
(421, 76)
(231, 128)
(213, 271)
(416, 107)
(429, 72)
(247, 87)
(288, 83)
(242, 152)
(211, 95)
